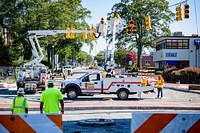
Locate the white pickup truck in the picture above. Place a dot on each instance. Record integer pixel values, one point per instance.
(93, 83)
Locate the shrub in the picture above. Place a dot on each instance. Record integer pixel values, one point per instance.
(189, 75)
(167, 74)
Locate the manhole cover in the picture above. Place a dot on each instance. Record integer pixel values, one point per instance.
(92, 122)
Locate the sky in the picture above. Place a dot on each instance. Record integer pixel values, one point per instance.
(100, 8)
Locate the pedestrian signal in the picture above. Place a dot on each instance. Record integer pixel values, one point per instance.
(186, 11)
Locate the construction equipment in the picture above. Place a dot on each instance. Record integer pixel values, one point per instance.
(32, 75)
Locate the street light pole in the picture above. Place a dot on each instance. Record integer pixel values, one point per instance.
(52, 59)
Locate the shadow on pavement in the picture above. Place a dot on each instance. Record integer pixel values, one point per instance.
(119, 126)
(184, 90)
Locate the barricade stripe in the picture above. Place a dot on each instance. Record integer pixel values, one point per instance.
(181, 123)
(3, 129)
(14, 123)
(57, 119)
(155, 123)
(41, 123)
(138, 119)
(195, 128)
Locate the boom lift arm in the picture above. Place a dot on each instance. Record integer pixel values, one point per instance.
(33, 36)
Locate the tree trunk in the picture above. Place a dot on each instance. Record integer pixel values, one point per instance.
(139, 61)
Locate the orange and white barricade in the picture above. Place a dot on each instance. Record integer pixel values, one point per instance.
(31, 123)
(165, 122)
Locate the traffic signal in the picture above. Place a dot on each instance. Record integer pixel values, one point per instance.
(128, 30)
(93, 34)
(131, 23)
(148, 22)
(131, 28)
(72, 35)
(134, 30)
(85, 33)
(186, 11)
(68, 34)
(179, 13)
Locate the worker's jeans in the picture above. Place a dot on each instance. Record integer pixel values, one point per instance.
(160, 91)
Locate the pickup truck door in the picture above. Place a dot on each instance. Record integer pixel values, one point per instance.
(91, 84)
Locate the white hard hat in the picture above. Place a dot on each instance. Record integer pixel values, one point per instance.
(20, 91)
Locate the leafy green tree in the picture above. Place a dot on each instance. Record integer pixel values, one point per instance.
(99, 57)
(136, 10)
(44, 15)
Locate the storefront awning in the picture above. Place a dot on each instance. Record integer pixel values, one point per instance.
(171, 62)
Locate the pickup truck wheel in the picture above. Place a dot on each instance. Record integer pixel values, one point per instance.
(72, 93)
(122, 94)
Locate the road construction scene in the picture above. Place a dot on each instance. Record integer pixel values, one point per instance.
(72, 67)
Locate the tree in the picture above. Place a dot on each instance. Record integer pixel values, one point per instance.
(136, 10)
(99, 57)
(44, 15)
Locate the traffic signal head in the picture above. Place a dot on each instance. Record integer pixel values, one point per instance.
(179, 13)
(72, 34)
(85, 33)
(129, 29)
(131, 23)
(186, 11)
(93, 34)
(68, 34)
(148, 22)
(134, 30)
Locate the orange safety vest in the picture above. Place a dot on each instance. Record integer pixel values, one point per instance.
(160, 83)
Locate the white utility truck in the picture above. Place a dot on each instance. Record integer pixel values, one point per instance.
(93, 83)
(33, 74)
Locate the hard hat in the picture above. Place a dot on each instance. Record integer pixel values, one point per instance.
(159, 77)
(20, 91)
(50, 82)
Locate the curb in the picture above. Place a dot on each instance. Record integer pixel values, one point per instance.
(116, 108)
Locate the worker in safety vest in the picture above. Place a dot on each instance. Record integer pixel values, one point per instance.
(50, 99)
(115, 15)
(20, 103)
(102, 21)
(104, 74)
(159, 86)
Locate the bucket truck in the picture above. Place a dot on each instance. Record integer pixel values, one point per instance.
(33, 74)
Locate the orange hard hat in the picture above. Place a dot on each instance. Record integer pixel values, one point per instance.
(159, 76)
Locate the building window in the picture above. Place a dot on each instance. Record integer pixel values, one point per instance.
(173, 44)
(147, 62)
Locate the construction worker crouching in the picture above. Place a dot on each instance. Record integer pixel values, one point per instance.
(50, 99)
(102, 21)
(20, 103)
(115, 15)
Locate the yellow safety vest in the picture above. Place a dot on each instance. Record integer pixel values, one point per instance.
(18, 106)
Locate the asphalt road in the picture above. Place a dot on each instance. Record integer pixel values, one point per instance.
(122, 118)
